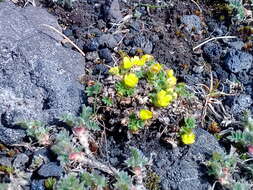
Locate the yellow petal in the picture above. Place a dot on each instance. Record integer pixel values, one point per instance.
(147, 57)
(114, 70)
(188, 138)
(127, 63)
(145, 114)
(155, 68)
(131, 80)
(163, 99)
(170, 73)
(172, 81)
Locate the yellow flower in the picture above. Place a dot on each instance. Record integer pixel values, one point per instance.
(171, 81)
(137, 61)
(114, 70)
(163, 99)
(147, 57)
(155, 68)
(170, 73)
(188, 138)
(145, 114)
(127, 63)
(131, 80)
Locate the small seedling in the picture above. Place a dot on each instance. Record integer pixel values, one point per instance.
(50, 183)
(186, 132)
(93, 89)
(124, 181)
(37, 130)
(135, 124)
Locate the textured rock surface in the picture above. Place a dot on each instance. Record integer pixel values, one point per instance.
(50, 169)
(38, 77)
(238, 61)
(180, 168)
(192, 22)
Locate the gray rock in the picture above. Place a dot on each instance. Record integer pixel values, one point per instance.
(241, 103)
(238, 61)
(50, 169)
(5, 161)
(91, 45)
(186, 173)
(111, 11)
(238, 45)
(107, 40)
(92, 56)
(20, 160)
(105, 54)
(37, 185)
(212, 51)
(192, 22)
(11, 136)
(143, 43)
(38, 77)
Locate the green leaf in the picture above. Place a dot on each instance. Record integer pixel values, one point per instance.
(124, 181)
(107, 101)
(182, 91)
(70, 182)
(137, 159)
(94, 89)
(123, 90)
(135, 123)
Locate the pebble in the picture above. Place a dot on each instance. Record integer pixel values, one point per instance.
(11, 136)
(212, 51)
(241, 103)
(50, 169)
(192, 22)
(20, 160)
(237, 61)
(106, 55)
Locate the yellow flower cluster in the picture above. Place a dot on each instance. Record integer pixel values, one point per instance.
(129, 62)
(188, 138)
(166, 96)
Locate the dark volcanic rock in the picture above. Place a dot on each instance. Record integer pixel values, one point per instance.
(238, 61)
(111, 11)
(11, 136)
(20, 160)
(38, 77)
(178, 168)
(192, 22)
(105, 54)
(37, 185)
(212, 51)
(50, 170)
(241, 103)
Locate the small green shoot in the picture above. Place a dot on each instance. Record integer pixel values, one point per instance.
(107, 101)
(137, 159)
(94, 89)
(135, 124)
(123, 90)
(124, 181)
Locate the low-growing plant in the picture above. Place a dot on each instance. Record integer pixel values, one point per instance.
(37, 130)
(238, 7)
(137, 93)
(186, 131)
(81, 126)
(50, 183)
(244, 136)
